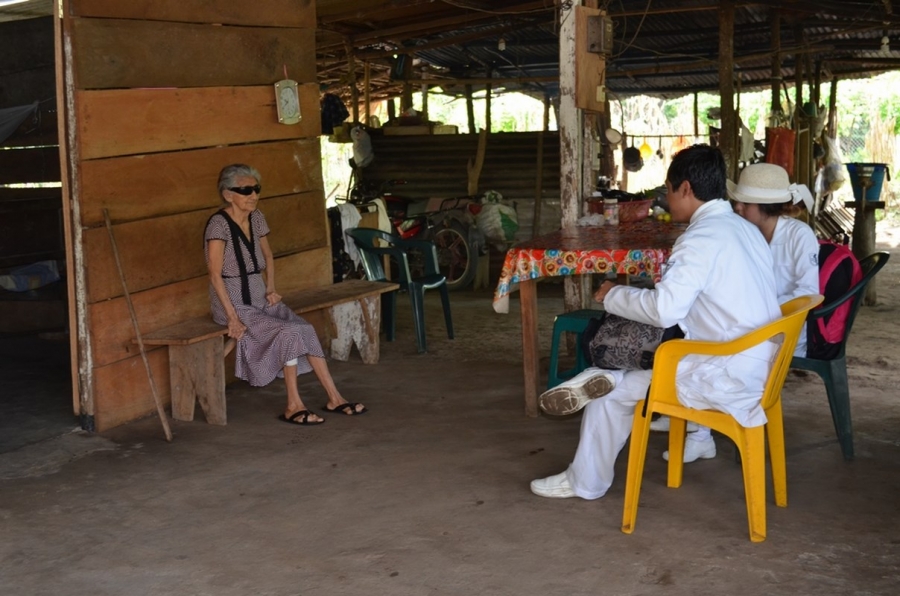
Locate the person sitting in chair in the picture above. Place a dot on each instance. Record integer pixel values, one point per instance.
(271, 339)
(765, 197)
(717, 285)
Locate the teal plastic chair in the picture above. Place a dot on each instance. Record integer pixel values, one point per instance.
(398, 250)
(834, 371)
(575, 322)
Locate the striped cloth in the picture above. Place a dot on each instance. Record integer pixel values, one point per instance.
(275, 334)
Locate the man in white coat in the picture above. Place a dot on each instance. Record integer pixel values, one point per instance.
(718, 284)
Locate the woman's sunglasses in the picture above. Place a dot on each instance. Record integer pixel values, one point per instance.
(246, 190)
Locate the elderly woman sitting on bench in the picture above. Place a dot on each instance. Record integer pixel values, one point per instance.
(271, 339)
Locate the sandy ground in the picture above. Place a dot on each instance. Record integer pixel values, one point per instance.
(427, 494)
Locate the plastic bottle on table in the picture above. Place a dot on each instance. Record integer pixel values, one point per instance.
(611, 211)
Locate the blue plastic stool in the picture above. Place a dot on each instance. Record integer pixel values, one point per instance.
(574, 322)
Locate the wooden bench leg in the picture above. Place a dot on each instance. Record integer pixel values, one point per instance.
(357, 323)
(198, 371)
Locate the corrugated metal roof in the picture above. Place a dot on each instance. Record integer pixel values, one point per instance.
(662, 47)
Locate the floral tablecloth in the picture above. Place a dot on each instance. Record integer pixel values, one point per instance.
(638, 249)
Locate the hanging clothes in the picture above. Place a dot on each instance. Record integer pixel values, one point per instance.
(334, 112)
(350, 219)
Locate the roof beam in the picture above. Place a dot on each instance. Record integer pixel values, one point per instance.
(446, 41)
(466, 18)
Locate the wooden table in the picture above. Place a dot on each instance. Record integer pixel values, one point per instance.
(635, 249)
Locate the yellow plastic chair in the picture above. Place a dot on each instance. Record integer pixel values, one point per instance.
(751, 442)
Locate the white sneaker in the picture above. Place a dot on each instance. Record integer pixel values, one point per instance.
(553, 487)
(661, 425)
(570, 396)
(694, 450)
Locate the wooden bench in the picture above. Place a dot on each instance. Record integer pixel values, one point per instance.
(197, 350)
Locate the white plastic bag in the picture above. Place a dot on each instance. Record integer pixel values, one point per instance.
(833, 173)
(497, 220)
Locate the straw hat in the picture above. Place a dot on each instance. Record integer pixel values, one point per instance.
(768, 183)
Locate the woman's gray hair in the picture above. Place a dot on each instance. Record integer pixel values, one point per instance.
(229, 175)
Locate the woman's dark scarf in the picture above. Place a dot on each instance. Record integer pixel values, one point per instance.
(237, 238)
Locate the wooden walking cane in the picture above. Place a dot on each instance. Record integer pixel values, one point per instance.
(137, 331)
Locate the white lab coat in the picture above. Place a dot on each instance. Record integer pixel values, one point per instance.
(795, 251)
(718, 284)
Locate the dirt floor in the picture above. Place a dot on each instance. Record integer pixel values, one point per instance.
(428, 492)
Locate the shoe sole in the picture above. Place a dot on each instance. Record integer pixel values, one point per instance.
(561, 401)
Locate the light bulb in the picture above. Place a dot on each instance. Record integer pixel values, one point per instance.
(501, 44)
(885, 44)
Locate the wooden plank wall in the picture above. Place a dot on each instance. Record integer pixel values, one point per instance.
(435, 166)
(30, 218)
(164, 93)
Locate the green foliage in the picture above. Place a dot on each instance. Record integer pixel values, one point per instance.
(670, 111)
(890, 111)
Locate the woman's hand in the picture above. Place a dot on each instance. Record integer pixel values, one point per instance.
(603, 290)
(273, 297)
(236, 329)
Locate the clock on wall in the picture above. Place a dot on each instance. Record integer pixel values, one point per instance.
(287, 101)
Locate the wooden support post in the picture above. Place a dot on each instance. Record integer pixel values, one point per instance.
(539, 171)
(863, 243)
(796, 175)
(546, 124)
(79, 338)
(831, 127)
(354, 90)
(571, 139)
(531, 356)
(727, 140)
(425, 102)
(473, 168)
(817, 85)
(589, 146)
(775, 22)
(608, 162)
(487, 104)
(367, 91)
(406, 100)
(470, 109)
(391, 109)
(696, 116)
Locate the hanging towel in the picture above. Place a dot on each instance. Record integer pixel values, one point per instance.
(747, 148)
(350, 219)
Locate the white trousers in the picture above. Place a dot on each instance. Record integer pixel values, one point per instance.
(605, 428)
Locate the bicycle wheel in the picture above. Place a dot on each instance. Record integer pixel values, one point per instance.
(456, 259)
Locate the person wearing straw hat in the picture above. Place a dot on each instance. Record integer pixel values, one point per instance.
(765, 197)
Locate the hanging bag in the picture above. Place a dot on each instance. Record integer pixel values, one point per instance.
(616, 343)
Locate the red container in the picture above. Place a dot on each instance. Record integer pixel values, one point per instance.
(634, 210)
